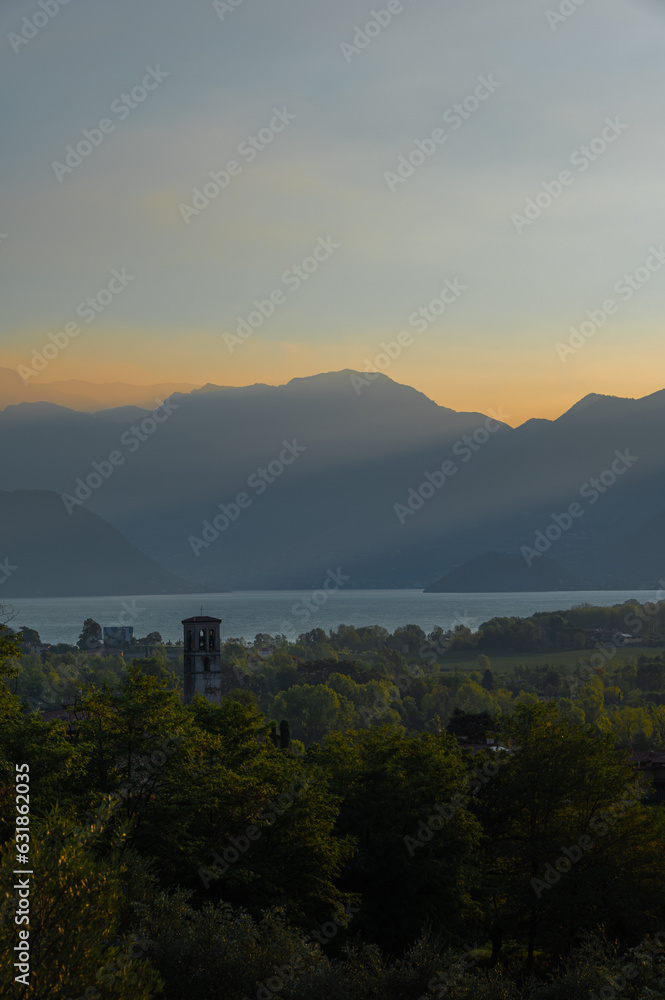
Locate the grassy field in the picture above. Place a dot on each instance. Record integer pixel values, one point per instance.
(506, 663)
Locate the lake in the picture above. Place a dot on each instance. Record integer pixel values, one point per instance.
(245, 613)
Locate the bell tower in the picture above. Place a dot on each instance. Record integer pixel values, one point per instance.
(202, 658)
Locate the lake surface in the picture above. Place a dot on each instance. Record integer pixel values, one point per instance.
(246, 613)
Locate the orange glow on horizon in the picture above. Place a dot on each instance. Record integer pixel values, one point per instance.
(464, 375)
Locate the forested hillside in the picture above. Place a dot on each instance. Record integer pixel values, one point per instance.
(334, 828)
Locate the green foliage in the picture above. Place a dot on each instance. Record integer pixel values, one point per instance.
(564, 782)
(315, 710)
(91, 635)
(651, 673)
(29, 637)
(218, 951)
(51, 681)
(389, 785)
(471, 726)
(76, 902)
(488, 678)
(223, 852)
(10, 647)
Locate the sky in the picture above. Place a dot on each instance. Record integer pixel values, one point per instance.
(557, 103)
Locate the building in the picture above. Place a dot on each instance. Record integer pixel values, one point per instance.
(651, 763)
(203, 673)
(118, 635)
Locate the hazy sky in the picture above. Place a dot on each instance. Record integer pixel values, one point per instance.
(551, 86)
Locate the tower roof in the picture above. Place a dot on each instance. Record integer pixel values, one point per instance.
(201, 620)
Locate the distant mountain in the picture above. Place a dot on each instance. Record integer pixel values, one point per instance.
(375, 481)
(638, 556)
(211, 387)
(499, 572)
(46, 552)
(87, 397)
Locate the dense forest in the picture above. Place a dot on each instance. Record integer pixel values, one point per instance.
(365, 815)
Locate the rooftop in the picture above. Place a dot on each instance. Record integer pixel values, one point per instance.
(648, 756)
(201, 620)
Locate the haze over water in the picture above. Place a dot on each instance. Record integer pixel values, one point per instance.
(246, 613)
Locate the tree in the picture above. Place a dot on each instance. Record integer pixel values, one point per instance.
(216, 952)
(463, 638)
(566, 837)
(488, 677)
(30, 637)
(591, 698)
(408, 639)
(315, 710)
(10, 647)
(632, 727)
(473, 698)
(127, 735)
(281, 671)
(160, 666)
(414, 863)
(472, 726)
(151, 639)
(91, 635)
(313, 639)
(76, 909)
(651, 673)
(196, 779)
(263, 639)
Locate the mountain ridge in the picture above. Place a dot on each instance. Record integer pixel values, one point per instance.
(50, 553)
(12, 387)
(84, 396)
(360, 495)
